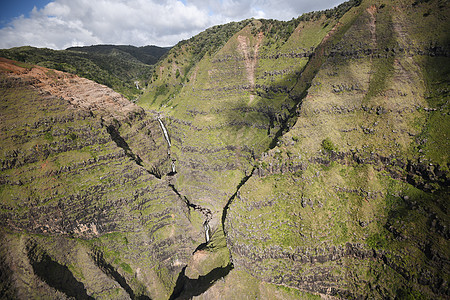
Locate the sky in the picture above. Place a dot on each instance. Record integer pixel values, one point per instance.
(60, 24)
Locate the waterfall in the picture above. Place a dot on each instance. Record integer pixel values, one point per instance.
(206, 227)
(166, 135)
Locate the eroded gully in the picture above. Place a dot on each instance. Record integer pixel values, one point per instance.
(185, 287)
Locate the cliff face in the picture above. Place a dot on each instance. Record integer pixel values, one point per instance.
(351, 198)
(310, 155)
(359, 185)
(78, 164)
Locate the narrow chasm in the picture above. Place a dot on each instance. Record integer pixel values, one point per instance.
(120, 142)
(191, 281)
(236, 194)
(56, 275)
(205, 211)
(198, 275)
(187, 288)
(113, 274)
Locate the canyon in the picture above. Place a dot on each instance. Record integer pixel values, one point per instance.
(264, 159)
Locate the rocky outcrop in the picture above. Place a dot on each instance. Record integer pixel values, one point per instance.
(421, 174)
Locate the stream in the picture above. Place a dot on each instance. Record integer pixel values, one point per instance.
(166, 135)
(185, 287)
(205, 211)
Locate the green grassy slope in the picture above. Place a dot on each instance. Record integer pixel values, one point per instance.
(227, 93)
(81, 212)
(354, 199)
(316, 150)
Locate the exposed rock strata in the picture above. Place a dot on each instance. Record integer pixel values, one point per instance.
(317, 159)
(77, 164)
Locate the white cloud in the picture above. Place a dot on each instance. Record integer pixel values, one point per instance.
(64, 23)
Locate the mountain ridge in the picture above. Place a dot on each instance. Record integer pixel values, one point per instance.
(123, 68)
(146, 54)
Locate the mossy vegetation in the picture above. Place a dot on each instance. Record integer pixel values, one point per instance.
(328, 145)
(319, 144)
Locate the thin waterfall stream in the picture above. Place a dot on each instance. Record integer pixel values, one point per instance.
(187, 287)
(166, 134)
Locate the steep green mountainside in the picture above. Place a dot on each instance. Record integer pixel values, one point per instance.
(264, 160)
(227, 93)
(351, 200)
(77, 186)
(118, 67)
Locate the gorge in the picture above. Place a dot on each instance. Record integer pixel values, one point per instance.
(259, 159)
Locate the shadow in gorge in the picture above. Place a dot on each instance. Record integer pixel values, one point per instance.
(115, 275)
(59, 277)
(120, 142)
(187, 288)
(200, 247)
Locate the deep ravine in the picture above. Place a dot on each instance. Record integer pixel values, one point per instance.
(205, 211)
(236, 194)
(186, 287)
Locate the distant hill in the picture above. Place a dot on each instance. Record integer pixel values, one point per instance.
(147, 54)
(117, 67)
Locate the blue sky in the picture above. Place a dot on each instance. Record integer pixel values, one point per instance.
(59, 24)
(13, 8)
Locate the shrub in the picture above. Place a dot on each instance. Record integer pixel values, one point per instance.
(376, 241)
(72, 136)
(328, 145)
(48, 136)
